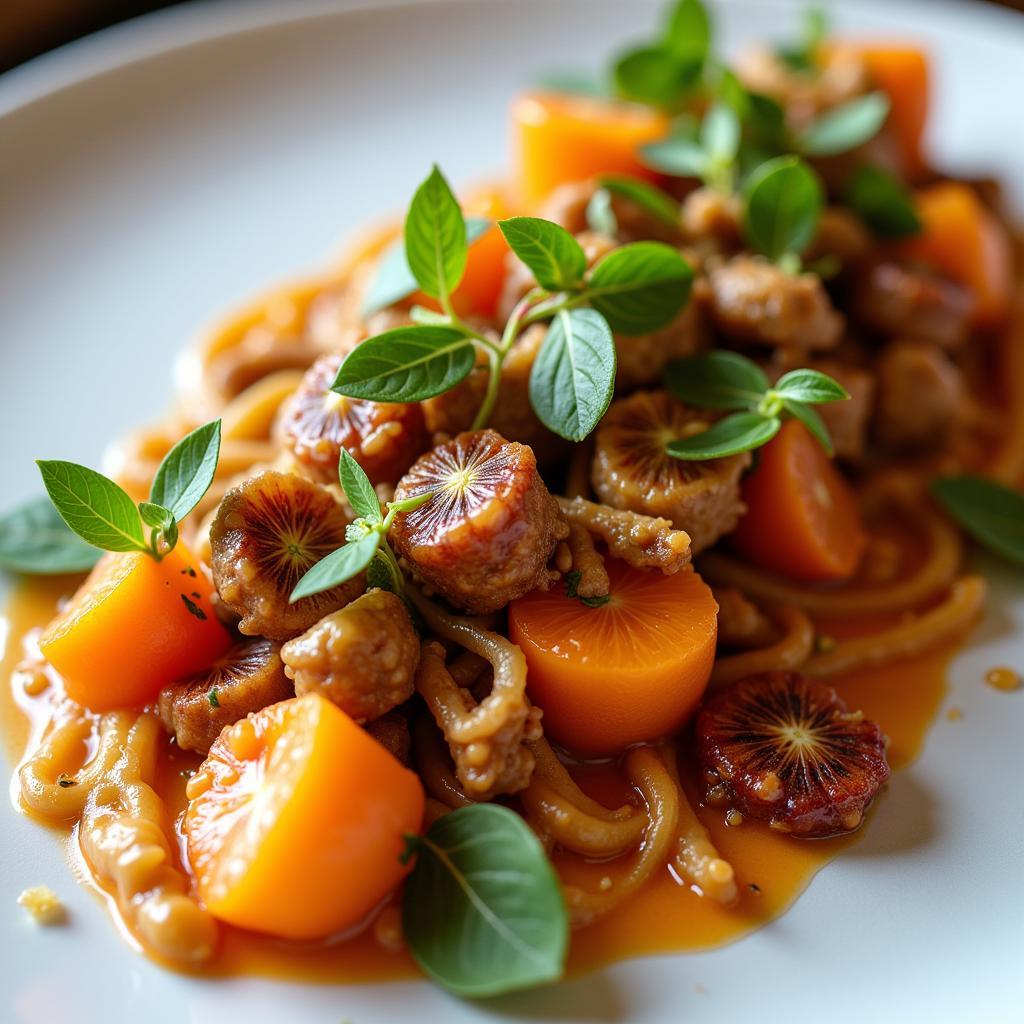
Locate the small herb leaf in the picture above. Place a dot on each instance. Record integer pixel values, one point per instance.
(640, 287)
(435, 237)
(34, 540)
(737, 433)
(783, 200)
(482, 910)
(883, 202)
(717, 380)
(648, 197)
(553, 256)
(407, 364)
(654, 75)
(156, 515)
(338, 566)
(99, 511)
(845, 127)
(812, 421)
(991, 513)
(358, 490)
(187, 470)
(720, 134)
(573, 377)
(600, 215)
(688, 33)
(811, 386)
(679, 156)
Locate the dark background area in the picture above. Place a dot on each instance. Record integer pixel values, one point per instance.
(31, 27)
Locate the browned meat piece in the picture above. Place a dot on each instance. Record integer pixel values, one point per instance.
(592, 580)
(362, 657)
(847, 422)
(709, 216)
(488, 740)
(920, 394)
(631, 469)
(316, 424)
(740, 622)
(898, 301)
(488, 532)
(640, 541)
(841, 237)
(567, 207)
(268, 531)
(249, 677)
(753, 301)
(391, 731)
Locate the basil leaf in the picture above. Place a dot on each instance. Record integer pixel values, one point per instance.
(156, 515)
(435, 237)
(783, 201)
(883, 202)
(600, 215)
(573, 376)
(406, 364)
(482, 910)
(731, 91)
(688, 33)
(991, 513)
(186, 472)
(720, 134)
(678, 156)
(358, 490)
(812, 421)
(649, 198)
(737, 433)
(35, 540)
(394, 281)
(99, 511)
(766, 123)
(553, 256)
(810, 386)
(652, 74)
(719, 379)
(845, 127)
(337, 567)
(639, 287)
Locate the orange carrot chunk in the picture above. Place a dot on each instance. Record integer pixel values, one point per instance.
(559, 139)
(630, 670)
(296, 821)
(801, 518)
(134, 626)
(964, 240)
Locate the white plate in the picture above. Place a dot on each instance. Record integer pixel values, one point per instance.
(158, 172)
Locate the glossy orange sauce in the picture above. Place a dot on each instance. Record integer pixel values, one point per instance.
(665, 916)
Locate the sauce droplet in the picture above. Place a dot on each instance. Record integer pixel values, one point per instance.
(1002, 678)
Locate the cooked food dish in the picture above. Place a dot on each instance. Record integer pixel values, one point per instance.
(533, 587)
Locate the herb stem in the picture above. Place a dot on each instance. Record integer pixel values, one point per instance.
(495, 359)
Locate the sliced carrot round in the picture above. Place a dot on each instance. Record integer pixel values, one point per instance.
(296, 821)
(559, 139)
(629, 670)
(802, 520)
(134, 626)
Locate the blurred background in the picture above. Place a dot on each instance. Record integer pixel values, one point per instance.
(31, 27)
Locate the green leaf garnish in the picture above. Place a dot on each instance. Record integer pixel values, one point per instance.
(648, 197)
(186, 472)
(435, 238)
(810, 386)
(394, 280)
(812, 421)
(573, 376)
(782, 204)
(677, 155)
(358, 490)
(94, 507)
(845, 127)
(600, 215)
(883, 202)
(482, 910)
(991, 513)
(737, 433)
(656, 76)
(406, 364)
(338, 566)
(155, 515)
(718, 379)
(640, 287)
(711, 156)
(34, 540)
(553, 256)
(688, 32)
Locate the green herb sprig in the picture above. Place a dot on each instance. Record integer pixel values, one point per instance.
(482, 910)
(85, 506)
(366, 538)
(883, 202)
(728, 381)
(711, 156)
(632, 290)
(991, 513)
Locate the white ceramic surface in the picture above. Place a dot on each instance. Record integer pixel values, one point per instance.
(154, 174)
